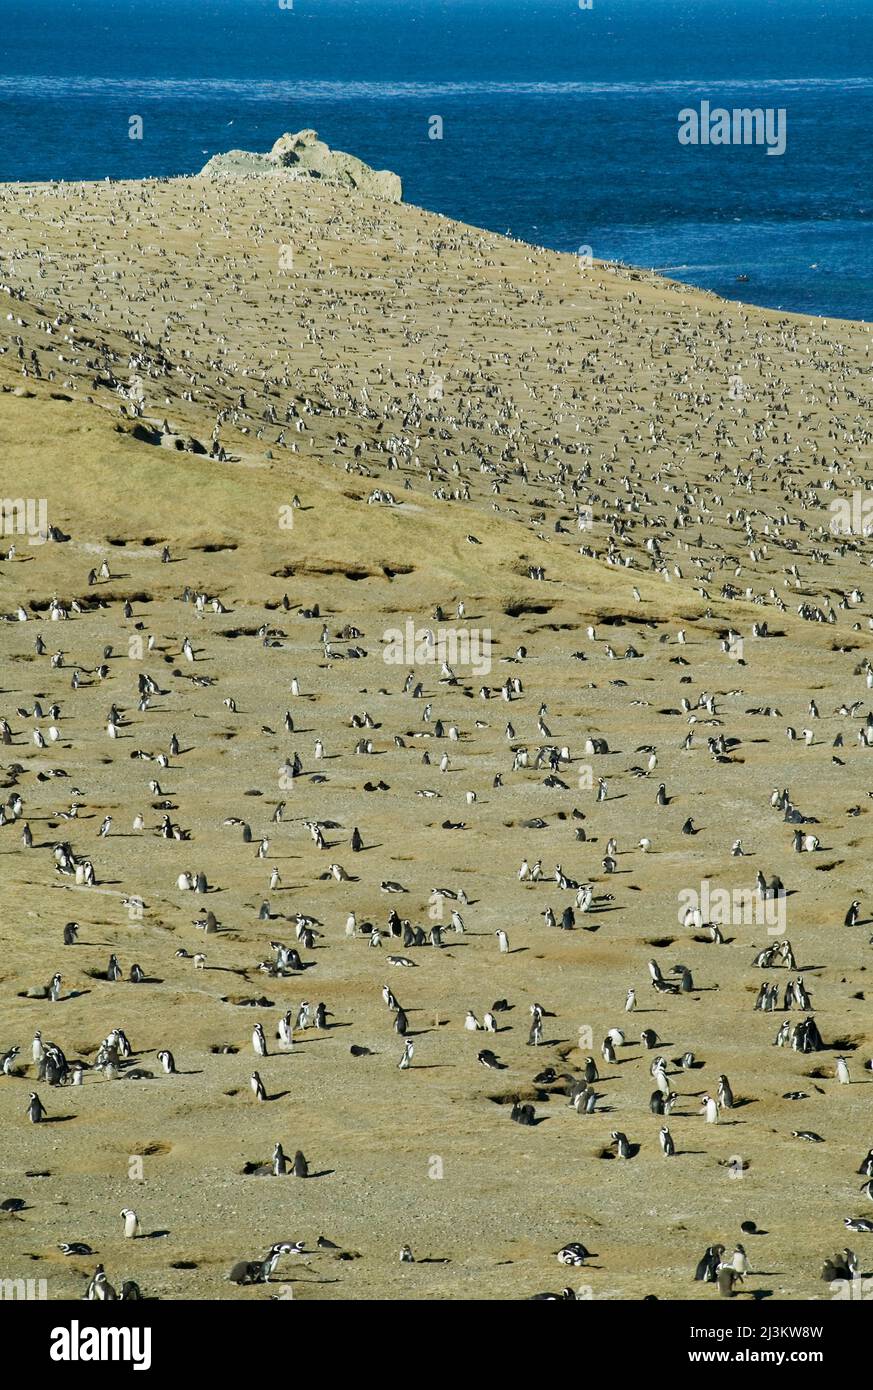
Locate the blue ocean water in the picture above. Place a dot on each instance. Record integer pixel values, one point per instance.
(559, 122)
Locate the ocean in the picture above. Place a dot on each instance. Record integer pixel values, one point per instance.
(559, 123)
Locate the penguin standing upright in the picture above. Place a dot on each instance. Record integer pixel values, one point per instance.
(622, 1144)
(726, 1278)
(725, 1094)
(99, 1289)
(35, 1109)
(259, 1041)
(710, 1108)
(131, 1223)
(668, 1148)
(301, 1167)
(279, 1162)
(708, 1265)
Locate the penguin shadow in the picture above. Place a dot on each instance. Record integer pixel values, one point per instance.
(62, 999)
(152, 1235)
(322, 1173)
(57, 1119)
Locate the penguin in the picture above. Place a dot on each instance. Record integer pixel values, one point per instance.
(841, 1071)
(259, 1041)
(726, 1279)
(725, 1094)
(301, 1167)
(71, 931)
(852, 915)
(622, 1144)
(668, 1148)
(858, 1223)
(99, 1289)
(279, 1163)
(257, 1086)
(35, 1109)
(573, 1253)
(710, 1108)
(406, 1060)
(739, 1260)
(131, 1223)
(708, 1265)
(487, 1058)
(168, 1062)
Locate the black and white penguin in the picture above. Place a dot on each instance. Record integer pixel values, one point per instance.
(622, 1144)
(707, 1266)
(35, 1109)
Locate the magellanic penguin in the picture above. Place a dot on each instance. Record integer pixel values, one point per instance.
(708, 1265)
(131, 1223)
(35, 1109)
(99, 1289)
(622, 1144)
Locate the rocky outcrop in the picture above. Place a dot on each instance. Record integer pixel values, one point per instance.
(303, 155)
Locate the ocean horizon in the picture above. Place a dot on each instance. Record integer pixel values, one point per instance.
(556, 124)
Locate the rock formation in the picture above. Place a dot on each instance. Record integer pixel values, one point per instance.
(303, 155)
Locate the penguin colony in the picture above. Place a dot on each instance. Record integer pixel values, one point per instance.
(299, 941)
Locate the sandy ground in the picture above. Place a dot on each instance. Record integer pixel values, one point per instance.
(433, 361)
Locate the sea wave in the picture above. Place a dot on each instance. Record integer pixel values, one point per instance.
(208, 88)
